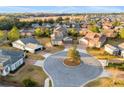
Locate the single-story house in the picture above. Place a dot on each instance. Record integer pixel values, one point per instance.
(35, 25)
(10, 61)
(111, 49)
(92, 39)
(29, 44)
(27, 32)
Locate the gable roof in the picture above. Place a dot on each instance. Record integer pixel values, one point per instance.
(29, 40)
(121, 46)
(14, 56)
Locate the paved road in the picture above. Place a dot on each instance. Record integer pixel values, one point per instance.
(63, 76)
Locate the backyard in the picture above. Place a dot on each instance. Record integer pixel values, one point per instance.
(28, 71)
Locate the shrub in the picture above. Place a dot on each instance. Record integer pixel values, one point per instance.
(29, 83)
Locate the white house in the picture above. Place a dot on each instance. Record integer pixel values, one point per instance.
(111, 49)
(121, 47)
(28, 44)
(122, 53)
(10, 61)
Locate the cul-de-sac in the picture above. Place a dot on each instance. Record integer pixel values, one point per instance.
(67, 49)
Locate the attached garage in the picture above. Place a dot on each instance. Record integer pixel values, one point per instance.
(33, 48)
(83, 41)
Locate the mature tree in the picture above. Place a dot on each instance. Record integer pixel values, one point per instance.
(47, 32)
(29, 83)
(45, 21)
(72, 32)
(73, 53)
(94, 28)
(73, 57)
(2, 35)
(116, 23)
(13, 34)
(121, 33)
(51, 21)
(67, 19)
(38, 32)
(59, 19)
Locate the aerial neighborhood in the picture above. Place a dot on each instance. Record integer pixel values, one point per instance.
(32, 46)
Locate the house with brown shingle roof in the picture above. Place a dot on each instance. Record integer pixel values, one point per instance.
(111, 33)
(92, 39)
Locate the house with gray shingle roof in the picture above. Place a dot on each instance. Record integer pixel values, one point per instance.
(10, 61)
(29, 44)
(60, 36)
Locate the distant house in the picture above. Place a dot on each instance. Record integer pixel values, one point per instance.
(92, 39)
(111, 49)
(27, 32)
(35, 25)
(83, 31)
(59, 35)
(29, 44)
(10, 61)
(67, 40)
(121, 47)
(47, 25)
(110, 33)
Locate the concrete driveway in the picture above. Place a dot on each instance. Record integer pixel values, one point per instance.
(63, 76)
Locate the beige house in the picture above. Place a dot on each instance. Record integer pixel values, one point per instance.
(110, 33)
(28, 44)
(59, 36)
(92, 39)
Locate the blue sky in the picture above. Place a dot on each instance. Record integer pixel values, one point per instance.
(61, 9)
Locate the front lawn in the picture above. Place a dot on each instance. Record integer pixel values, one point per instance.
(7, 46)
(43, 40)
(36, 56)
(28, 71)
(106, 82)
(115, 41)
(100, 54)
(54, 49)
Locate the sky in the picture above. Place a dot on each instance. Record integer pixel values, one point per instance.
(62, 9)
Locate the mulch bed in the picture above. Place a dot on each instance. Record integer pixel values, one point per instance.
(70, 62)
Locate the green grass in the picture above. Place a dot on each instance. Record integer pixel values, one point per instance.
(115, 41)
(120, 66)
